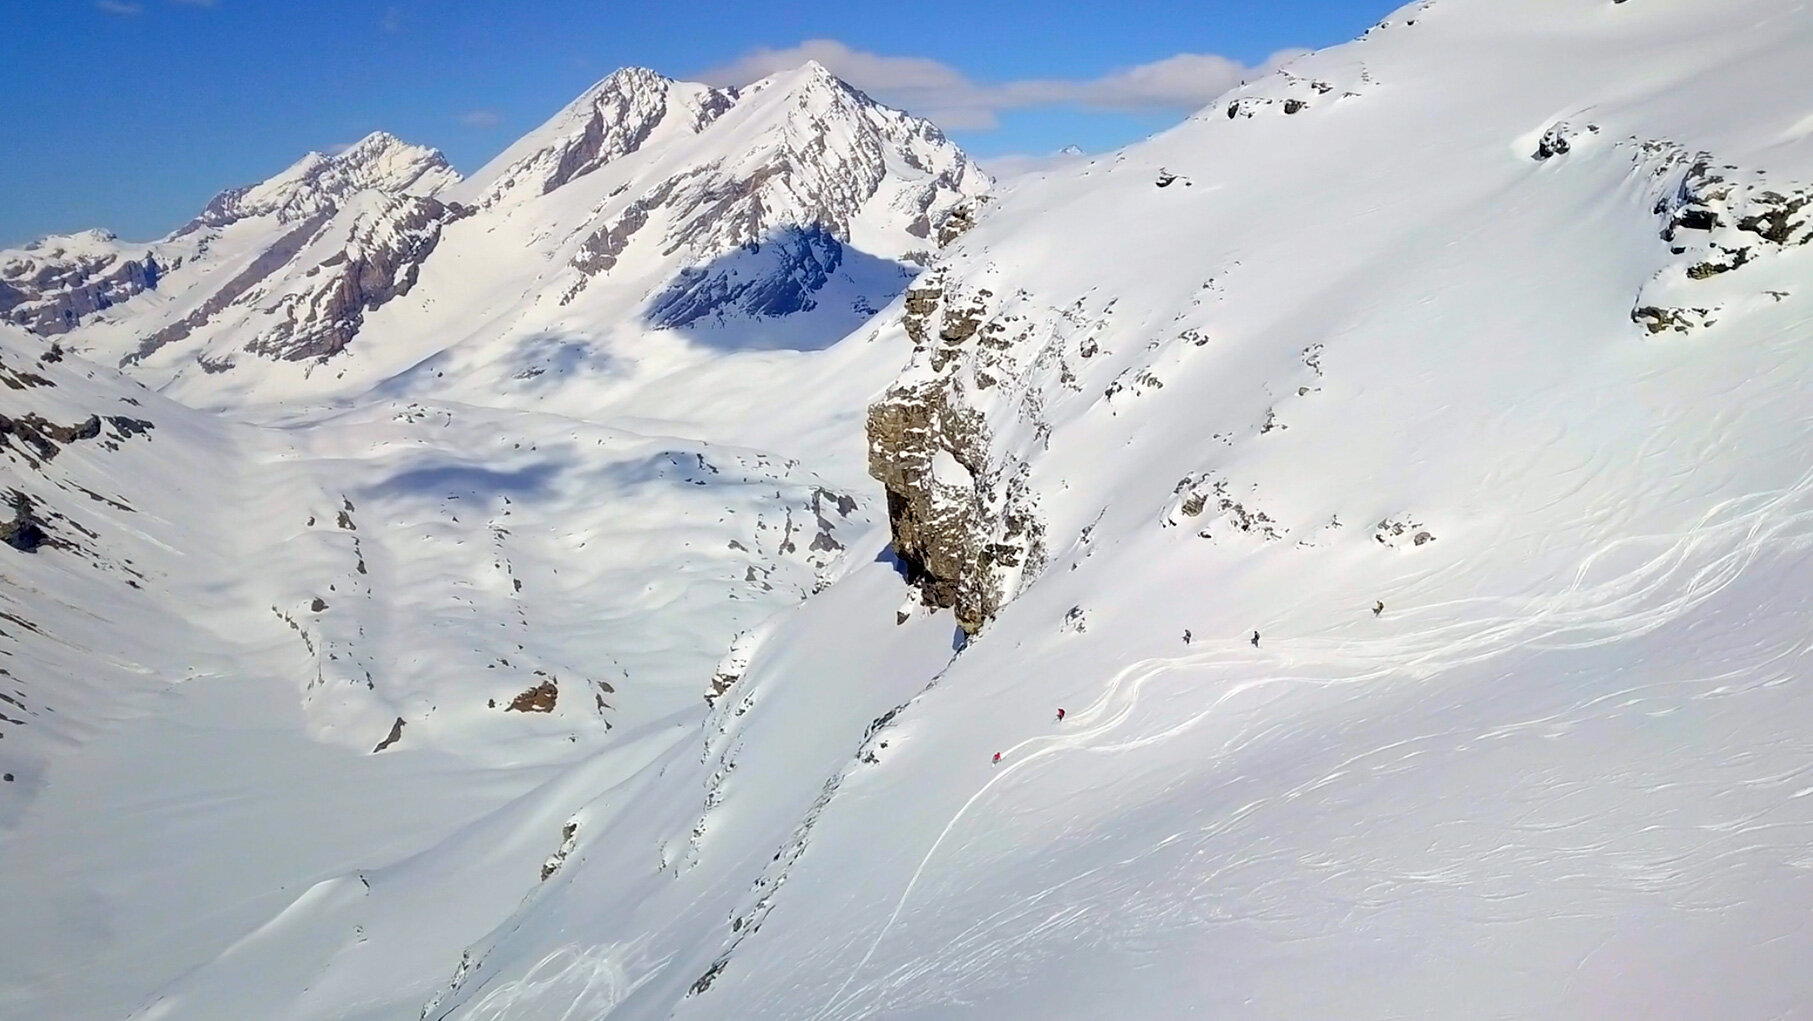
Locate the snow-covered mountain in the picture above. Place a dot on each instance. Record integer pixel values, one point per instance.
(784, 213)
(311, 249)
(1397, 473)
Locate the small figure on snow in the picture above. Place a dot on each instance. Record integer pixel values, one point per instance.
(1255, 639)
(1060, 714)
(997, 758)
(1186, 636)
(1378, 608)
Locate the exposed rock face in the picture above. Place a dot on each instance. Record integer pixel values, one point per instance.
(1716, 221)
(51, 286)
(612, 119)
(22, 531)
(963, 524)
(569, 839)
(275, 257)
(381, 260)
(960, 219)
(620, 113)
(42, 440)
(732, 667)
(395, 735)
(59, 284)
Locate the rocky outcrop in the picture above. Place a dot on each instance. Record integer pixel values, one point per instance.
(958, 221)
(619, 115)
(1559, 139)
(1283, 92)
(602, 247)
(23, 531)
(41, 440)
(1716, 220)
(539, 699)
(962, 519)
(395, 735)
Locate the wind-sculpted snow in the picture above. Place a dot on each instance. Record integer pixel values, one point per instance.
(1346, 557)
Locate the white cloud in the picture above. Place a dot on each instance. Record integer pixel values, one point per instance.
(1185, 81)
(481, 118)
(947, 96)
(119, 8)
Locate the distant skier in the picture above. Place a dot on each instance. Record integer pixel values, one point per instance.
(1255, 639)
(1060, 715)
(1378, 608)
(997, 758)
(1186, 636)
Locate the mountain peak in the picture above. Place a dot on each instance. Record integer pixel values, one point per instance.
(612, 119)
(632, 77)
(817, 71)
(319, 182)
(809, 77)
(375, 144)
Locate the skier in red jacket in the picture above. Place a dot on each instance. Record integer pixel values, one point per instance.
(1060, 714)
(997, 758)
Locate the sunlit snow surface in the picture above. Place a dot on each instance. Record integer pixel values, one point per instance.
(1566, 771)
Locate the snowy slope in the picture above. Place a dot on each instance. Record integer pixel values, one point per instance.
(444, 599)
(1398, 472)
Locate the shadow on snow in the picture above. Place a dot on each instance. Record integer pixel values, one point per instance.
(801, 289)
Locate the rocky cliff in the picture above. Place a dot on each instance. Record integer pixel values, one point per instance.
(53, 285)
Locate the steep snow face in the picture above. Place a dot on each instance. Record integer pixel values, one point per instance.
(95, 552)
(649, 225)
(1397, 472)
(1703, 222)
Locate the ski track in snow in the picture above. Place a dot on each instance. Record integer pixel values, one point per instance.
(1689, 568)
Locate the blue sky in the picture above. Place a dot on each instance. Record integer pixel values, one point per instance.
(131, 114)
